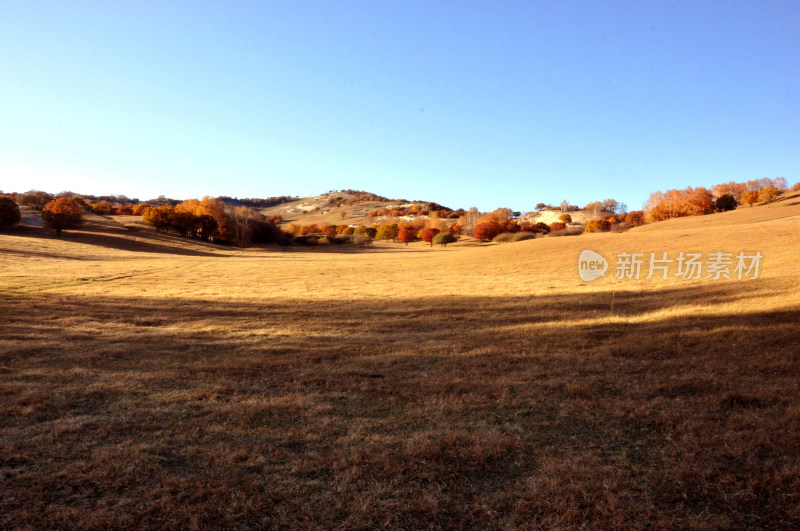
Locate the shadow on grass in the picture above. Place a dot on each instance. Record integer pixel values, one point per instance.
(540, 411)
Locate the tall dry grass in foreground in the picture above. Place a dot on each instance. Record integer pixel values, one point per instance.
(473, 387)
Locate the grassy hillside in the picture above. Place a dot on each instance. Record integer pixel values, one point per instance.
(152, 380)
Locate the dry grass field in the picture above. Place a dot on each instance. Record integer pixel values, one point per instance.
(150, 381)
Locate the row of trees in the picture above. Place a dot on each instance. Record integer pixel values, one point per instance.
(721, 197)
(210, 219)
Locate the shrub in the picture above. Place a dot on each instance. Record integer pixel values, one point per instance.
(724, 203)
(61, 214)
(557, 226)
(565, 218)
(521, 236)
(9, 212)
(362, 239)
(348, 231)
(635, 218)
(503, 238)
(598, 225)
(456, 229)
(443, 238)
(104, 208)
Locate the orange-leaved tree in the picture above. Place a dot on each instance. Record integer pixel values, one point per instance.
(486, 230)
(159, 217)
(428, 234)
(62, 213)
(407, 234)
(750, 197)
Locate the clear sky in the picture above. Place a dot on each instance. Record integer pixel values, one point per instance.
(464, 103)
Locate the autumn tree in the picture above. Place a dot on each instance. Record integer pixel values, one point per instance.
(565, 218)
(635, 218)
(9, 212)
(406, 234)
(60, 214)
(733, 189)
(183, 222)
(486, 230)
(242, 217)
(468, 220)
(387, 232)
(594, 208)
(750, 197)
(139, 209)
(428, 234)
(102, 208)
(159, 217)
(35, 199)
(610, 205)
(768, 194)
(598, 225)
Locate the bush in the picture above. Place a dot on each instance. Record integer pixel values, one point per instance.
(635, 218)
(504, 237)
(9, 212)
(362, 239)
(724, 203)
(565, 218)
(443, 238)
(557, 226)
(521, 236)
(598, 225)
(61, 214)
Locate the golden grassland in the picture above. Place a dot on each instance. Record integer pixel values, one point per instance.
(150, 381)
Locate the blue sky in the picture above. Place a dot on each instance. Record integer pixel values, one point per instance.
(464, 103)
